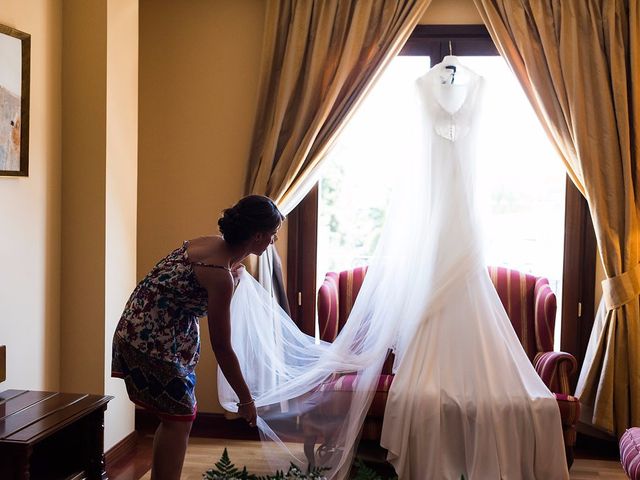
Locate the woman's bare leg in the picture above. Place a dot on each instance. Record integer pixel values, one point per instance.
(169, 448)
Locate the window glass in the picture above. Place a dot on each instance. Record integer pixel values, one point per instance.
(520, 181)
(355, 183)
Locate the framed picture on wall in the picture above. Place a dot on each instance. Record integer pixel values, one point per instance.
(15, 59)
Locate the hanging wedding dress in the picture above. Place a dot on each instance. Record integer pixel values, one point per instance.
(465, 399)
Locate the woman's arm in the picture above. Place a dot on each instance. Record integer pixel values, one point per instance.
(219, 286)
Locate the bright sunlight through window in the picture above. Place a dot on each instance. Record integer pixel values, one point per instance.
(521, 179)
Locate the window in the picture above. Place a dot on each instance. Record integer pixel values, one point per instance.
(355, 186)
(521, 183)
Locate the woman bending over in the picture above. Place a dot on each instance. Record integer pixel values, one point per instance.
(157, 343)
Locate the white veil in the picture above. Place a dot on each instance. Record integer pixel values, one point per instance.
(314, 394)
(294, 379)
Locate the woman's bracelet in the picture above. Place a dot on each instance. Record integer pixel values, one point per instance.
(239, 404)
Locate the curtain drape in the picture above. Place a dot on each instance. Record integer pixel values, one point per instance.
(579, 64)
(320, 57)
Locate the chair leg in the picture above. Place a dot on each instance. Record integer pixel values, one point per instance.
(568, 449)
(309, 449)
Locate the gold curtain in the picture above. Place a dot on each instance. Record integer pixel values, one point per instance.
(320, 57)
(578, 62)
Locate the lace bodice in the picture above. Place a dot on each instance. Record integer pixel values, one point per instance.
(449, 107)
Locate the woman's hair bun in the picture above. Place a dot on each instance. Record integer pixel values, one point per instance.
(252, 214)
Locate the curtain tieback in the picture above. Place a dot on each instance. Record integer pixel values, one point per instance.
(622, 288)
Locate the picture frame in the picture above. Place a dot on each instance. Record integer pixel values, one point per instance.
(15, 66)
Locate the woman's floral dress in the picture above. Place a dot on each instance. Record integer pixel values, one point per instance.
(156, 345)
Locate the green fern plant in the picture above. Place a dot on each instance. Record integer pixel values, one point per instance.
(225, 470)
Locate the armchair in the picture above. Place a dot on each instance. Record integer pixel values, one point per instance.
(531, 306)
(336, 297)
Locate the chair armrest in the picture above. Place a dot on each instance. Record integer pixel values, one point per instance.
(545, 305)
(328, 315)
(554, 368)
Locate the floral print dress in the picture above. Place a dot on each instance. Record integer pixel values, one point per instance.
(156, 345)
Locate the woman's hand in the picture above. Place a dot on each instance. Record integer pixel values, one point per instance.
(219, 291)
(249, 413)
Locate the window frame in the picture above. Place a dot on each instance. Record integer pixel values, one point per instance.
(578, 284)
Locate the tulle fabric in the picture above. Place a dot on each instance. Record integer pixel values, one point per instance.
(465, 399)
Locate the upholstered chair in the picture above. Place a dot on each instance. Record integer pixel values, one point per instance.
(531, 306)
(336, 297)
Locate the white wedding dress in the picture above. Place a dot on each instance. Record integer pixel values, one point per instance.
(465, 399)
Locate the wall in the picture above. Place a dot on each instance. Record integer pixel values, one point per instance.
(451, 12)
(53, 281)
(99, 91)
(121, 185)
(199, 62)
(83, 206)
(30, 213)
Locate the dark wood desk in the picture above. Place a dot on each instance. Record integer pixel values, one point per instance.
(50, 435)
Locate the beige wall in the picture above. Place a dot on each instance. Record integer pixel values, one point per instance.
(121, 195)
(451, 12)
(99, 92)
(83, 205)
(199, 62)
(30, 213)
(54, 325)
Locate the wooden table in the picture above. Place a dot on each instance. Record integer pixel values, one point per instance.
(51, 435)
